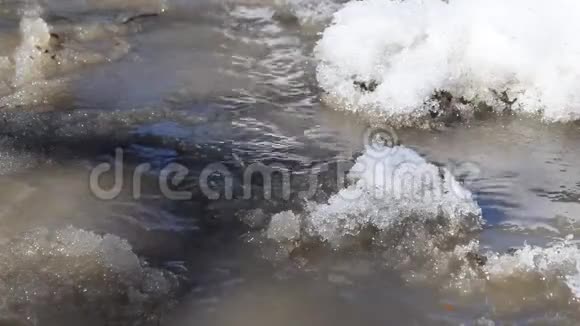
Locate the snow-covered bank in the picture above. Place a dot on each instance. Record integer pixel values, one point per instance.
(389, 58)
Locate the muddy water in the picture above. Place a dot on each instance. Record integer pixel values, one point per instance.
(198, 83)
